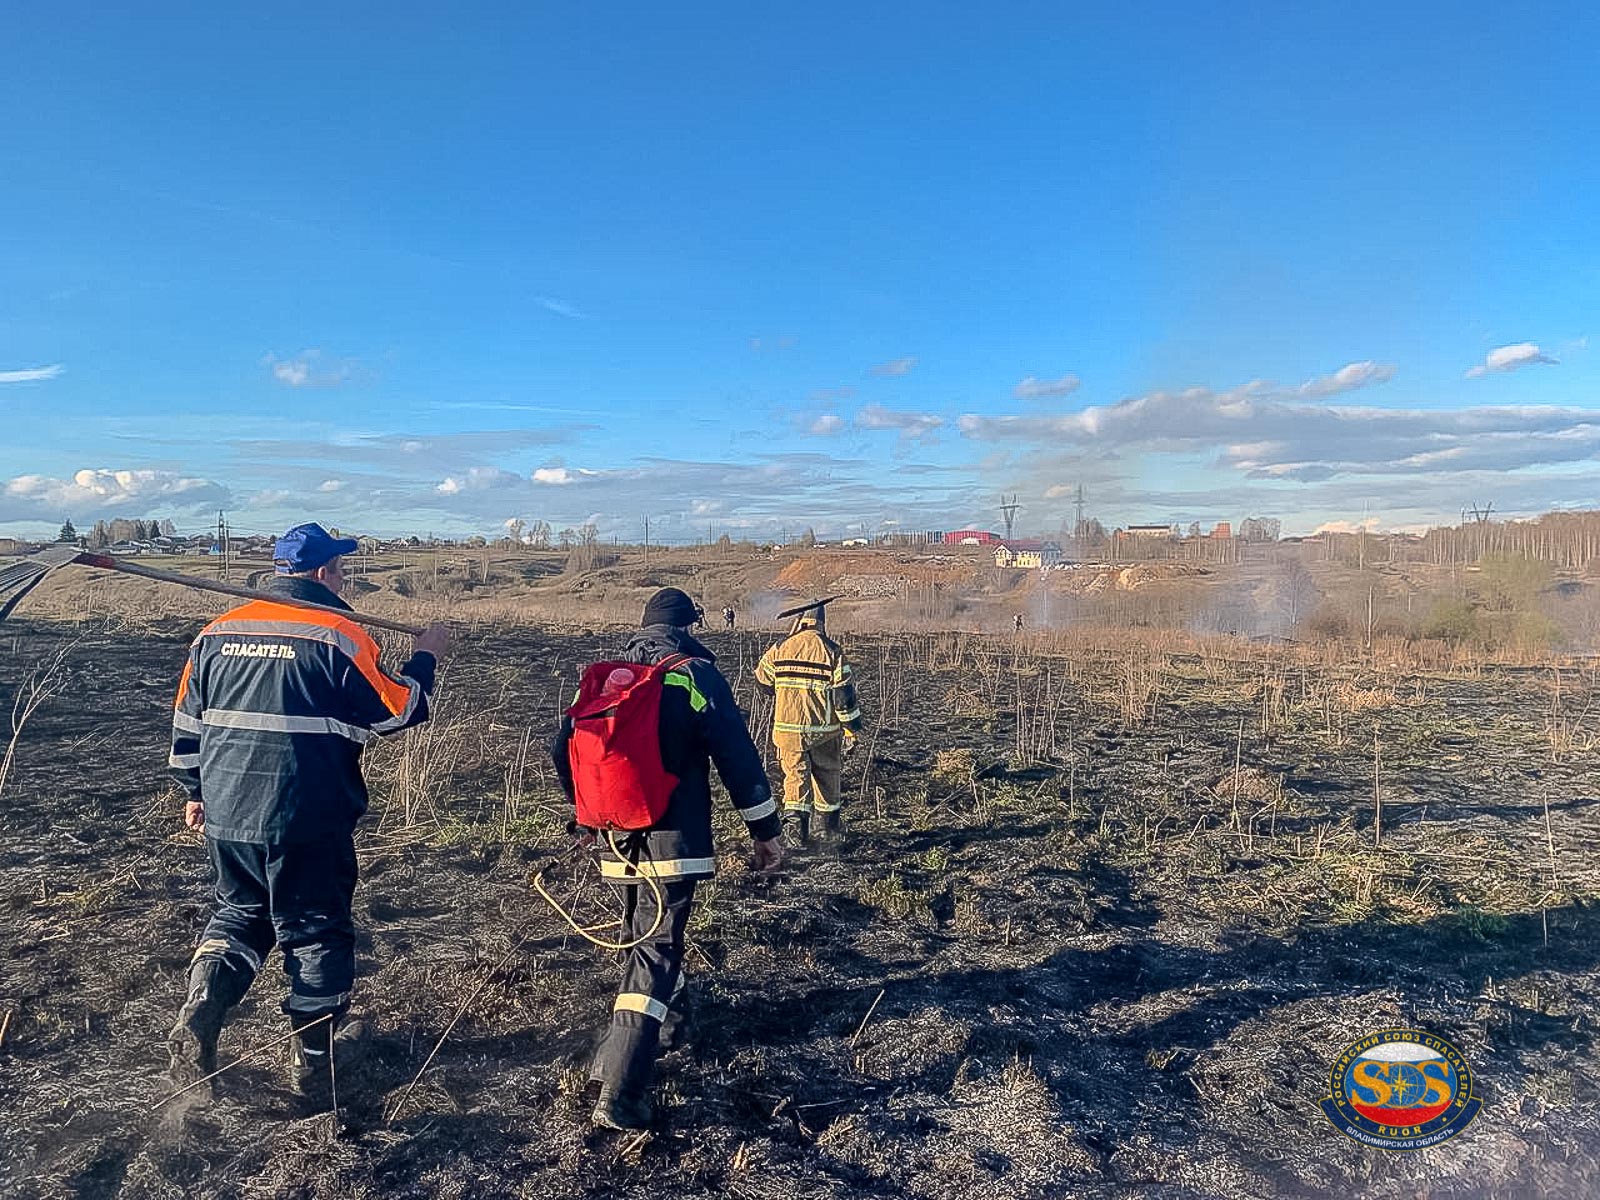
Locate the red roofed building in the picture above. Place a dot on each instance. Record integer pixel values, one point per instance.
(971, 537)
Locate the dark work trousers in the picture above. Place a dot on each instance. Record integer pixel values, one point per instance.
(297, 896)
(652, 978)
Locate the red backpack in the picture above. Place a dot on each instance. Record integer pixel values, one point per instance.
(618, 779)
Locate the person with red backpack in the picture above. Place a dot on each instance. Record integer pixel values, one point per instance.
(634, 753)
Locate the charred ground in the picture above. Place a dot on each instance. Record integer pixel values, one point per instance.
(1106, 916)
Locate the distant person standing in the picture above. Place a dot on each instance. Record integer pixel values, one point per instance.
(274, 706)
(1016, 622)
(727, 615)
(815, 719)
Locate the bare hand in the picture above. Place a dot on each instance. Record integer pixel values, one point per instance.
(769, 854)
(434, 640)
(194, 815)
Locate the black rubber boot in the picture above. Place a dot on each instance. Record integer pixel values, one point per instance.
(309, 1076)
(622, 1110)
(675, 1030)
(796, 828)
(214, 988)
(830, 827)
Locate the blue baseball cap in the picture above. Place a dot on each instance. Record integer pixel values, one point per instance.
(307, 547)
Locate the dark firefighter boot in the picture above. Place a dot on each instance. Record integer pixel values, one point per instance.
(675, 1030)
(310, 1077)
(796, 828)
(830, 827)
(214, 988)
(310, 1071)
(628, 1111)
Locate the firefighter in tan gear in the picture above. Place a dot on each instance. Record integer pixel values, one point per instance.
(815, 719)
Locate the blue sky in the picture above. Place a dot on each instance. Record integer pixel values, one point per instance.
(409, 269)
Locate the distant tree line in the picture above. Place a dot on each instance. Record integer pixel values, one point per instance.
(1565, 540)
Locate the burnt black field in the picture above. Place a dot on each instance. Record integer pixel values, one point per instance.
(1104, 919)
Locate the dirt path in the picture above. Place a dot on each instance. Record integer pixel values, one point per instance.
(1097, 959)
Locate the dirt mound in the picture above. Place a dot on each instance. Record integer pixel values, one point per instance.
(875, 574)
(1092, 578)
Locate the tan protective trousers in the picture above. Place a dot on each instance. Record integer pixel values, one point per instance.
(811, 767)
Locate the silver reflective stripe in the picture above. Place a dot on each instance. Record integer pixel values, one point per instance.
(229, 718)
(823, 807)
(410, 710)
(183, 721)
(294, 629)
(640, 1003)
(317, 1004)
(183, 760)
(661, 868)
(756, 811)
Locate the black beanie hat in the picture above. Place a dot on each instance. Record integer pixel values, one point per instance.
(669, 606)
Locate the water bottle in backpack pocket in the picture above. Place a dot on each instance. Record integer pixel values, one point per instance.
(618, 779)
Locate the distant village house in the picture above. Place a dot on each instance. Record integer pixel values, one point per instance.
(1027, 552)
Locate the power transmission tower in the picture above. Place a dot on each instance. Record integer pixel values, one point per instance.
(1008, 510)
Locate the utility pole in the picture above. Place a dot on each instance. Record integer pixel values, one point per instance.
(222, 546)
(647, 540)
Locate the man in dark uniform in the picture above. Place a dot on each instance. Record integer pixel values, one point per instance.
(700, 724)
(274, 706)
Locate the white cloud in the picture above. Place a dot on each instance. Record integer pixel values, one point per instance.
(1033, 388)
(478, 479)
(826, 425)
(561, 476)
(1347, 379)
(271, 498)
(1510, 358)
(559, 307)
(1259, 431)
(910, 425)
(31, 374)
(94, 492)
(832, 395)
(330, 485)
(311, 368)
(895, 366)
(1370, 524)
(430, 453)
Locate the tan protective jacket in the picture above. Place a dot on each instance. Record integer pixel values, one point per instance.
(813, 693)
